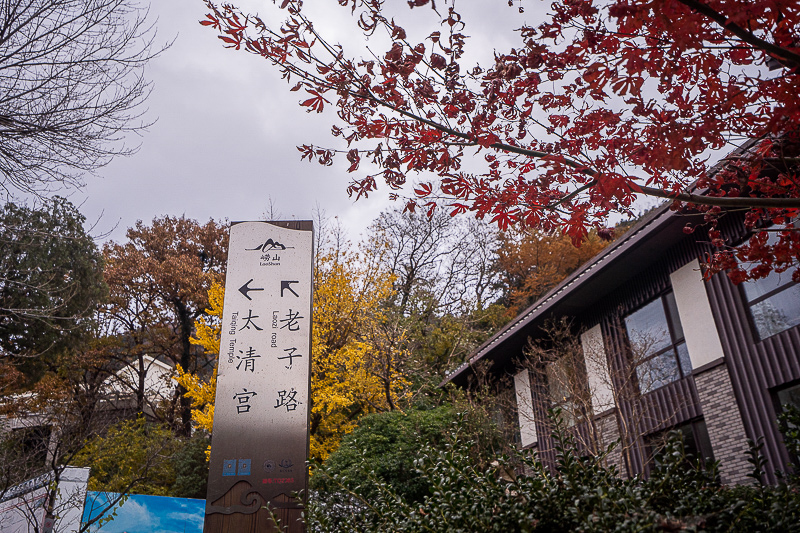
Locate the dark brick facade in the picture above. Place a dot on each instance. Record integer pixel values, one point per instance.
(724, 424)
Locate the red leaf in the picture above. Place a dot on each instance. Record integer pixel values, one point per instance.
(438, 62)
(424, 189)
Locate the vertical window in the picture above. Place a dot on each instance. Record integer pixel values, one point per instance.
(774, 303)
(657, 345)
(790, 398)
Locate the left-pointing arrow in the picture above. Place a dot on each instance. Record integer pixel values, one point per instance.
(244, 289)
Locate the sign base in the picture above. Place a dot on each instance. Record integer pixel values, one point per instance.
(245, 511)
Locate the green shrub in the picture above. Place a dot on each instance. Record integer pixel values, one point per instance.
(385, 446)
(191, 468)
(579, 496)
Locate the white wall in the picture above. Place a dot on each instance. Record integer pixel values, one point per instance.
(527, 422)
(596, 360)
(697, 320)
(25, 511)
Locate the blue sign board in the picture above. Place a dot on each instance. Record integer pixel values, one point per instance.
(146, 514)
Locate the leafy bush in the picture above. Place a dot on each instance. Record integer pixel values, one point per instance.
(385, 445)
(579, 495)
(144, 457)
(132, 456)
(191, 468)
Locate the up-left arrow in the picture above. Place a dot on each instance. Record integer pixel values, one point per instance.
(244, 289)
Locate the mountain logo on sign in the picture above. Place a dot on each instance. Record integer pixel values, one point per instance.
(268, 246)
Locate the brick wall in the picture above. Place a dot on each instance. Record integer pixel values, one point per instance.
(724, 423)
(608, 432)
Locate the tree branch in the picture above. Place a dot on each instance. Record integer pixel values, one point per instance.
(743, 201)
(789, 58)
(725, 201)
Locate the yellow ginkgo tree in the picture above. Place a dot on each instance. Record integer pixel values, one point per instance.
(356, 360)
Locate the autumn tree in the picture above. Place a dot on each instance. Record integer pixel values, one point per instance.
(159, 281)
(440, 263)
(51, 283)
(71, 73)
(357, 367)
(601, 103)
(531, 262)
(202, 390)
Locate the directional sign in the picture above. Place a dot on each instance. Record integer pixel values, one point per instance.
(244, 289)
(287, 286)
(260, 432)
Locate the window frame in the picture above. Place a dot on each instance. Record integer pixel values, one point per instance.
(696, 429)
(749, 303)
(782, 396)
(677, 337)
(783, 286)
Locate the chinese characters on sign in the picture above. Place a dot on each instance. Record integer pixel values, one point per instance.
(287, 399)
(261, 411)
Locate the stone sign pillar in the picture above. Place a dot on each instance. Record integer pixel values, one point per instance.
(259, 445)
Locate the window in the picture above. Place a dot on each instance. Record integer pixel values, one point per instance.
(774, 303)
(789, 396)
(31, 443)
(696, 444)
(657, 346)
(786, 398)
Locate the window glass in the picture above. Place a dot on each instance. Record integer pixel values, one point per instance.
(696, 444)
(563, 386)
(657, 371)
(684, 359)
(647, 329)
(756, 288)
(674, 318)
(774, 301)
(790, 396)
(558, 381)
(778, 312)
(656, 342)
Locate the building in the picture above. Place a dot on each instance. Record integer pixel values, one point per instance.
(659, 348)
(23, 508)
(38, 434)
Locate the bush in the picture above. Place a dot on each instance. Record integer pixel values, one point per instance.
(384, 446)
(580, 495)
(191, 468)
(144, 457)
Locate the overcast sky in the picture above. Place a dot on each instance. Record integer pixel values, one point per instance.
(227, 126)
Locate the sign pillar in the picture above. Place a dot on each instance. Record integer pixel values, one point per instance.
(259, 445)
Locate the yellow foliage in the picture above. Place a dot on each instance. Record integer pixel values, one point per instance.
(207, 333)
(207, 328)
(202, 394)
(352, 372)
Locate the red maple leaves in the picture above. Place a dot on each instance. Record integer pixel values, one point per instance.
(600, 103)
